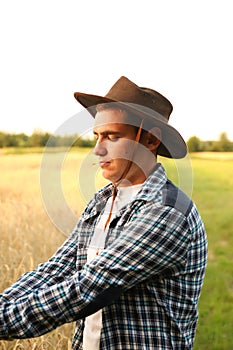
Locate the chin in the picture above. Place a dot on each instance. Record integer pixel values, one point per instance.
(106, 175)
(110, 177)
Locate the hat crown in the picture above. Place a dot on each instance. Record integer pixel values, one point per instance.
(125, 90)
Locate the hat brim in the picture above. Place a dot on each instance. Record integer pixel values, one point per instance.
(172, 144)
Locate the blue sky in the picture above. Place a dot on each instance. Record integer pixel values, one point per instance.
(49, 49)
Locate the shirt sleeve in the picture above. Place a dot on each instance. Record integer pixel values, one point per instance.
(61, 265)
(153, 244)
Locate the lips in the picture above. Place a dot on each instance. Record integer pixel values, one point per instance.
(104, 163)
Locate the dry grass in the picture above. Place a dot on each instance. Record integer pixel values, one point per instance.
(213, 155)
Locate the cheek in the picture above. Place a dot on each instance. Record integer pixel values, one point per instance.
(122, 149)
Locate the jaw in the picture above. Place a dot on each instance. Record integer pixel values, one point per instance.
(128, 175)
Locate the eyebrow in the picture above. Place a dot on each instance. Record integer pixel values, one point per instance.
(107, 132)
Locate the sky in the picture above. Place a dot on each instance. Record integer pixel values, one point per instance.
(50, 49)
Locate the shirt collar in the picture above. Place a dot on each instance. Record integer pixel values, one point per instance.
(153, 184)
(148, 191)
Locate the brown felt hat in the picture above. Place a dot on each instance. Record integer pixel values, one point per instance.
(147, 103)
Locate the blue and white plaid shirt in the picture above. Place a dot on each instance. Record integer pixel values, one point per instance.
(147, 281)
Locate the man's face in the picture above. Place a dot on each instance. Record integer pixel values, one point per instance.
(115, 148)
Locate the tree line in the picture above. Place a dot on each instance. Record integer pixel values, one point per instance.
(42, 139)
(223, 144)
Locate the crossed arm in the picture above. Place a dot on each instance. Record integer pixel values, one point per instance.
(55, 293)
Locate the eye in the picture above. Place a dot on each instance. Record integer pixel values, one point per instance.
(113, 138)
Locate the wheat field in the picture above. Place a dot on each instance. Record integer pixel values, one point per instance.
(27, 236)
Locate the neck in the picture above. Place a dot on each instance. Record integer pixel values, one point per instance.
(141, 177)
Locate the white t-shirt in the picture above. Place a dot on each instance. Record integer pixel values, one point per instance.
(93, 323)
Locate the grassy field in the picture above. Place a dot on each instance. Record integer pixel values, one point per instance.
(28, 237)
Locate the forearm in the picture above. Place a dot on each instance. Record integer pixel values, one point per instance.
(44, 310)
(60, 266)
(37, 313)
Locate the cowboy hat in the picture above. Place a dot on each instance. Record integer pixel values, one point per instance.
(147, 103)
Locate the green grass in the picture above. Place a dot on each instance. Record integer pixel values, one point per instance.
(213, 194)
(213, 191)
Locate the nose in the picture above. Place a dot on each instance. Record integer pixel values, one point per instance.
(100, 148)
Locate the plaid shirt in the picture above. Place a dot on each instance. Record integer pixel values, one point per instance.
(147, 281)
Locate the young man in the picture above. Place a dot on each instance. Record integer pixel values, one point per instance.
(131, 272)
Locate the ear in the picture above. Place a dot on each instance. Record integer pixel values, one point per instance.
(154, 137)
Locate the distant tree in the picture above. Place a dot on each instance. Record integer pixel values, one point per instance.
(35, 140)
(22, 140)
(208, 146)
(11, 140)
(52, 141)
(44, 139)
(195, 144)
(2, 139)
(84, 142)
(38, 139)
(225, 145)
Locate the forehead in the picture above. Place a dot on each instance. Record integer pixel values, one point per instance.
(108, 116)
(113, 118)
